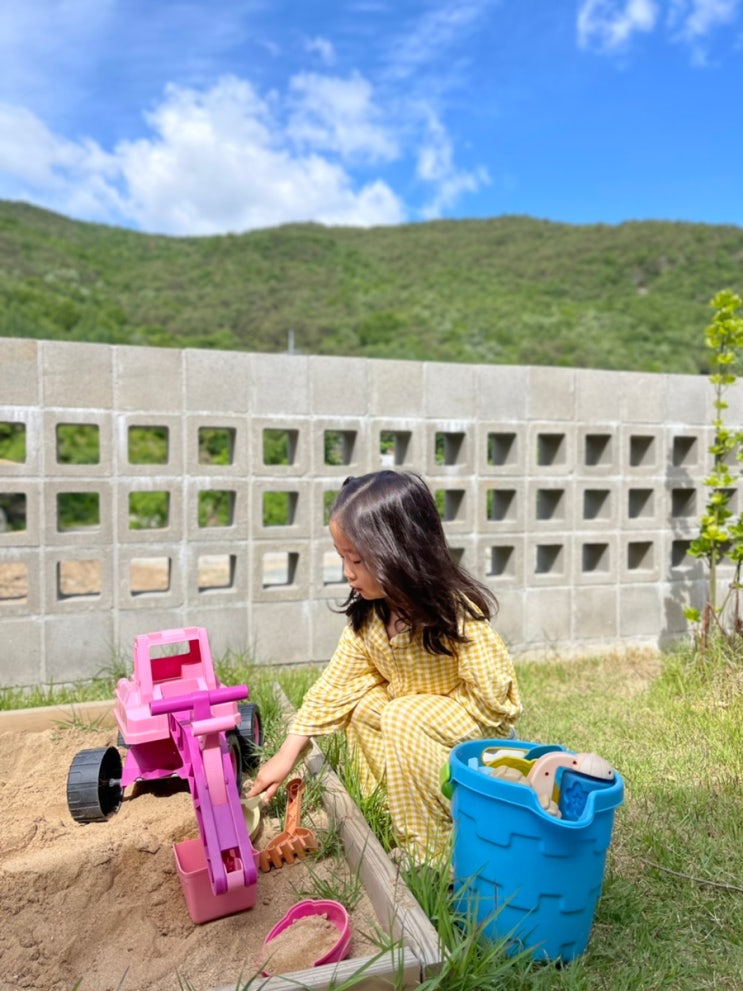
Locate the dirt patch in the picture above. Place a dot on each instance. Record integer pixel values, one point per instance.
(101, 904)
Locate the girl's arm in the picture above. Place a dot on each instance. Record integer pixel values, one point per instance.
(278, 767)
(488, 688)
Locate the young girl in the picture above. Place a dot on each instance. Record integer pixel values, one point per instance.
(417, 669)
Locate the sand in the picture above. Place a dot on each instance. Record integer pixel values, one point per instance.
(101, 904)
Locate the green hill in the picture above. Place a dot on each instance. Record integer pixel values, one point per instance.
(506, 290)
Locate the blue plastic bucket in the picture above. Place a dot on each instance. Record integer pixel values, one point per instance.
(527, 876)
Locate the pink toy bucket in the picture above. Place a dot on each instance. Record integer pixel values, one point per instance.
(333, 911)
(203, 905)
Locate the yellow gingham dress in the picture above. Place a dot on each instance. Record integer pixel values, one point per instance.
(403, 709)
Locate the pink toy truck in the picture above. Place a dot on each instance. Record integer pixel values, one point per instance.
(176, 720)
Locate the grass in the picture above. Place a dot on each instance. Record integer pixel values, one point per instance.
(671, 911)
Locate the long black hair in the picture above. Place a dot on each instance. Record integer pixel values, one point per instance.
(391, 519)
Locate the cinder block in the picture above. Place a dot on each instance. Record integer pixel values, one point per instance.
(20, 372)
(327, 627)
(234, 493)
(641, 396)
(550, 506)
(503, 562)
(456, 497)
(688, 400)
(31, 489)
(22, 569)
(500, 448)
(280, 631)
(280, 385)
(77, 646)
(551, 393)
(280, 570)
(151, 577)
(226, 625)
(163, 488)
(548, 559)
(597, 505)
(687, 454)
(78, 580)
(128, 428)
(551, 449)
(597, 399)
(450, 391)
(217, 575)
(98, 424)
(503, 393)
(448, 448)
(396, 388)
(675, 598)
(287, 438)
(640, 557)
(598, 450)
(595, 616)
(217, 382)
(508, 621)
(28, 422)
(547, 617)
(595, 560)
(640, 611)
(22, 656)
(339, 386)
(642, 503)
(232, 431)
(148, 379)
(501, 506)
(288, 499)
(78, 377)
(396, 443)
(340, 446)
(642, 451)
(57, 494)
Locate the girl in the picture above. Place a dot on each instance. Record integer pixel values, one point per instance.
(417, 669)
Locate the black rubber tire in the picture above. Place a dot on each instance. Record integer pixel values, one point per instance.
(233, 742)
(250, 734)
(94, 791)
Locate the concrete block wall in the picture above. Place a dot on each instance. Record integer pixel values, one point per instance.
(572, 493)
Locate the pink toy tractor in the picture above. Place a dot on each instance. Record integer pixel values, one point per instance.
(176, 720)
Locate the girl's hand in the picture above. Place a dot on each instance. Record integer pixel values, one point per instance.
(274, 771)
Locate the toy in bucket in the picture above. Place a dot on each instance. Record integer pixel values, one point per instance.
(527, 876)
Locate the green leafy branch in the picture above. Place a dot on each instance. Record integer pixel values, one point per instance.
(720, 534)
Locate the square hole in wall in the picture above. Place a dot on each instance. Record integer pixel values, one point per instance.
(339, 446)
(551, 449)
(393, 446)
(598, 450)
(12, 512)
(332, 569)
(328, 498)
(279, 568)
(500, 562)
(596, 504)
(457, 553)
(640, 555)
(595, 557)
(680, 557)
(216, 507)
(216, 445)
(215, 571)
(279, 508)
(683, 502)
(149, 574)
(684, 452)
(280, 446)
(450, 504)
(640, 503)
(550, 504)
(448, 448)
(550, 559)
(78, 511)
(78, 444)
(13, 442)
(13, 581)
(502, 448)
(76, 579)
(642, 451)
(149, 510)
(501, 504)
(148, 445)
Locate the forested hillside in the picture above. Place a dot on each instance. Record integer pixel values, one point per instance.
(505, 290)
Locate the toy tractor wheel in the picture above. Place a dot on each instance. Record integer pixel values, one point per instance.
(250, 735)
(94, 789)
(233, 743)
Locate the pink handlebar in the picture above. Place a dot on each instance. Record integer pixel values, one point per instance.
(179, 703)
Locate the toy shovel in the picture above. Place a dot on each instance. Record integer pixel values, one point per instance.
(295, 841)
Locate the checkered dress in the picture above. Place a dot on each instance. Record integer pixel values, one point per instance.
(403, 709)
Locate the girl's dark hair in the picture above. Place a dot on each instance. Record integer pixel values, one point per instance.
(391, 519)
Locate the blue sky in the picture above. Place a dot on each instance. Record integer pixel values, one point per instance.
(211, 116)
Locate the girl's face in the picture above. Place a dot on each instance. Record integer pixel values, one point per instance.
(356, 573)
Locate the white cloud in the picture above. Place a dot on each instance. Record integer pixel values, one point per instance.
(339, 115)
(608, 25)
(693, 20)
(436, 167)
(321, 47)
(213, 161)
